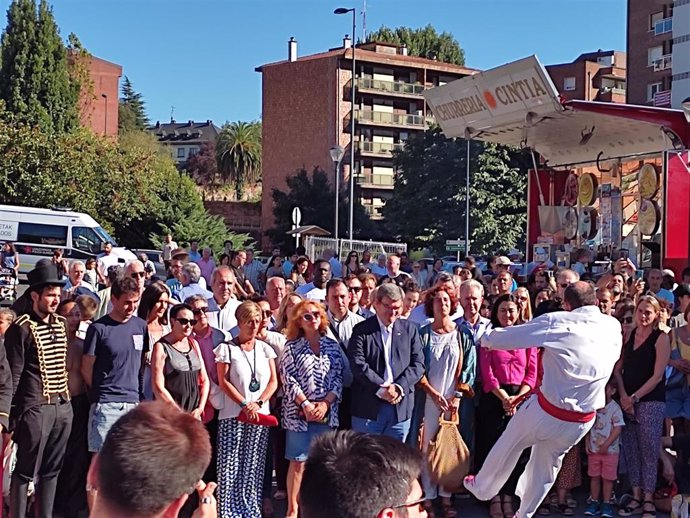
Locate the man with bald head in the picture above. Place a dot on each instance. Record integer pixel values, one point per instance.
(275, 292)
(580, 347)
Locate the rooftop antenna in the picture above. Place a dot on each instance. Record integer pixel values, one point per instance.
(172, 114)
(364, 24)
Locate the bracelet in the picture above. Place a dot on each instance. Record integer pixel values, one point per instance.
(458, 394)
(305, 403)
(244, 403)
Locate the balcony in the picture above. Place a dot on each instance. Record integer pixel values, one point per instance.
(374, 212)
(379, 149)
(663, 26)
(610, 94)
(663, 63)
(381, 86)
(377, 118)
(376, 181)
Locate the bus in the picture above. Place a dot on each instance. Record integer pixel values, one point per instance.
(37, 233)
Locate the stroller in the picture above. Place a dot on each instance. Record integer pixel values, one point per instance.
(8, 284)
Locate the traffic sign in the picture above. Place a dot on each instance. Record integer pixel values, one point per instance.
(296, 216)
(455, 245)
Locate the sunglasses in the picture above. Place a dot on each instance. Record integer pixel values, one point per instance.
(187, 321)
(309, 317)
(267, 313)
(626, 320)
(200, 311)
(522, 299)
(140, 275)
(354, 289)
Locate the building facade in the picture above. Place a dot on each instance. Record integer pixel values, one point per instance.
(306, 110)
(184, 138)
(98, 105)
(651, 35)
(594, 76)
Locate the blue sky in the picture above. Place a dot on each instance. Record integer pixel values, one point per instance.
(199, 55)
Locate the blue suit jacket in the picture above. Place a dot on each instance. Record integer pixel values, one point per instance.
(365, 352)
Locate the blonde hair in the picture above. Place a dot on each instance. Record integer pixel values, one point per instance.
(281, 318)
(294, 327)
(527, 312)
(654, 302)
(247, 311)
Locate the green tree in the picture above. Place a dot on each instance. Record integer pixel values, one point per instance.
(35, 82)
(424, 42)
(313, 194)
(433, 168)
(238, 152)
(132, 109)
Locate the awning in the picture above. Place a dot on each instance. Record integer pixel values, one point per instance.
(517, 105)
(309, 230)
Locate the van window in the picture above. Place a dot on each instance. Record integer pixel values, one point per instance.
(86, 239)
(42, 234)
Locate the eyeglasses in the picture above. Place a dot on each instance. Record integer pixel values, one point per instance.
(201, 311)
(309, 317)
(135, 275)
(626, 320)
(354, 289)
(522, 299)
(419, 503)
(187, 321)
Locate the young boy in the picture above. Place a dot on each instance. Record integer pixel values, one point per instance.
(602, 445)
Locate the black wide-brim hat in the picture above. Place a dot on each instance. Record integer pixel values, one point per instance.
(44, 276)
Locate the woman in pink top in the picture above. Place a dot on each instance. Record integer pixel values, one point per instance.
(505, 376)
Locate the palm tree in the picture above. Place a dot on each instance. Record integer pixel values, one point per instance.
(238, 153)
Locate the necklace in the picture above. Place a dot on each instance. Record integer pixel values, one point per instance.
(254, 384)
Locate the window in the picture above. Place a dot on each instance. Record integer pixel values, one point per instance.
(652, 89)
(654, 18)
(654, 54)
(41, 234)
(193, 151)
(180, 152)
(86, 239)
(569, 84)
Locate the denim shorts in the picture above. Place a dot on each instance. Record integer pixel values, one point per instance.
(102, 417)
(297, 443)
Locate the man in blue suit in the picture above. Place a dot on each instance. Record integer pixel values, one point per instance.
(386, 357)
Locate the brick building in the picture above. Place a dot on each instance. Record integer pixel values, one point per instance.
(99, 106)
(594, 76)
(306, 110)
(650, 50)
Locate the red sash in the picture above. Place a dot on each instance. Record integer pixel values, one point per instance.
(564, 415)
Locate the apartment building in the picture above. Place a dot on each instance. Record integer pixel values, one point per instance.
(184, 139)
(98, 105)
(593, 76)
(306, 110)
(651, 38)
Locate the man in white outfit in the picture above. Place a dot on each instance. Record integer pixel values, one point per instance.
(580, 348)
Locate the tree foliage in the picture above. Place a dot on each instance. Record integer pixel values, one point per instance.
(132, 109)
(203, 166)
(313, 194)
(424, 42)
(131, 187)
(238, 152)
(35, 82)
(428, 204)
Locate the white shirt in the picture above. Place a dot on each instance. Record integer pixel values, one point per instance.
(167, 250)
(223, 319)
(580, 349)
(386, 334)
(106, 261)
(311, 292)
(344, 329)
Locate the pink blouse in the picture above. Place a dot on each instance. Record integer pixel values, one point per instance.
(514, 367)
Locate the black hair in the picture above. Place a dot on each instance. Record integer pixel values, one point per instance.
(548, 306)
(123, 284)
(150, 297)
(506, 297)
(175, 310)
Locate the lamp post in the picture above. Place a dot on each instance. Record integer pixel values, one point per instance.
(337, 153)
(467, 202)
(344, 10)
(105, 129)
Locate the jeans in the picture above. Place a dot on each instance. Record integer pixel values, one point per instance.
(386, 423)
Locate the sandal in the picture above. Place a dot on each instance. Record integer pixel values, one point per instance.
(507, 506)
(629, 509)
(565, 510)
(496, 512)
(647, 513)
(448, 509)
(429, 508)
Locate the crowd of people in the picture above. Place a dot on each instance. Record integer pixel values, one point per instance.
(272, 358)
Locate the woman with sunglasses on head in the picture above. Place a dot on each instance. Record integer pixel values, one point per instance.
(640, 374)
(247, 377)
(311, 370)
(153, 308)
(524, 304)
(351, 264)
(177, 367)
(506, 376)
(624, 312)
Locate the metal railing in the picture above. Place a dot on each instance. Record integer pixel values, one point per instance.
(395, 119)
(384, 180)
(392, 87)
(315, 247)
(663, 62)
(379, 148)
(663, 26)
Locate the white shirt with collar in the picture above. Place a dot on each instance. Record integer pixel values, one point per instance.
(344, 330)
(386, 338)
(477, 329)
(222, 318)
(581, 348)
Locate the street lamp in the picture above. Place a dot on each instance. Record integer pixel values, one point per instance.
(344, 10)
(105, 98)
(337, 153)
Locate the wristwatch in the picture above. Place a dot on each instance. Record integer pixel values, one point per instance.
(259, 402)
(634, 398)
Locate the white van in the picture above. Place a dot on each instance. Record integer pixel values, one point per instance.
(36, 233)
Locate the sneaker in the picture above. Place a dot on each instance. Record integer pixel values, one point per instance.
(606, 511)
(592, 509)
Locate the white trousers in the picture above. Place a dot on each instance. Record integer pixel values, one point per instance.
(549, 438)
